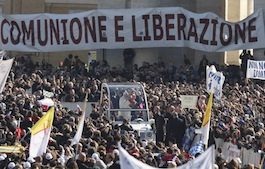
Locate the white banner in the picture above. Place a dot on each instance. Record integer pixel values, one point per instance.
(203, 161)
(134, 28)
(189, 101)
(256, 69)
(214, 81)
(5, 67)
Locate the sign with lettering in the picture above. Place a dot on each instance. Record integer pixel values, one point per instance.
(256, 69)
(214, 81)
(5, 67)
(134, 28)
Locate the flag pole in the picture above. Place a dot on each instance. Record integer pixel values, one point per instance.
(20, 141)
(206, 121)
(82, 116)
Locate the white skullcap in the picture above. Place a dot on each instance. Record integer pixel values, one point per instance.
(31, 159)
(48, 156)
(4, 155)
(115, 152)
(11, 165)
(27, 165)
(95, 156)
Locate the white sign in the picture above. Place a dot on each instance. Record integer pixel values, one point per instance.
(5, 67)
(214, 81)
(188, 101)
(256, 69)
(134, 28)
(203, 161)
(232, 152)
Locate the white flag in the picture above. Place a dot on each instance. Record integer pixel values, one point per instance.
(5, 67)
(203, 161)
(40, 134)
(214, 81)
(80, 126)
(47, 94)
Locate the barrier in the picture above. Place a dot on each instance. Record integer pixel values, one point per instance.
(73, 106)
(230, 150)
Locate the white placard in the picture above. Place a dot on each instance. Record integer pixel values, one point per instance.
(189, 101)
(214, 81)
(256, 69)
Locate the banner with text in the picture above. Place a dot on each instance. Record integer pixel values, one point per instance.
(214, 81)
(134, 28)
(5, 67)
(256, 69)
(189, 101)
(203, 161)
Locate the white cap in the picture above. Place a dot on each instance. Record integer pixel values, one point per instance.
(27, 165)
(11, 165)
(95, 156)
(31, 159)
(2, 158)
(115, 152)
(4, 155)
(48, 156)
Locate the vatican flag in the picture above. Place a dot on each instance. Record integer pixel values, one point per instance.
(205, 128)
(40, 134)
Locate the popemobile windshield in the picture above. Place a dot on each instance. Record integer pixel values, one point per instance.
(128, 101)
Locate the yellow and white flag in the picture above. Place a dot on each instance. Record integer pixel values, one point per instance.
(80, 126)
(40, 134)
(12, 149)
(205, 128)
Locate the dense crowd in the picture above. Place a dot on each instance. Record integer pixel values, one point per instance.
(238, 117)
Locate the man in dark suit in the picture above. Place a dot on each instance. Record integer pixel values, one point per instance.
(169, 123)
(159, 124)
(178, 125)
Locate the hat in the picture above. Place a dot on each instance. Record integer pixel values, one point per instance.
(11, 165)
(27, 164)
(48, 156)
(95, 156)
(115, 152)
(31, 159)
(2, 158)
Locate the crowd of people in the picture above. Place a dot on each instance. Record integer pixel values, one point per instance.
(238, 117)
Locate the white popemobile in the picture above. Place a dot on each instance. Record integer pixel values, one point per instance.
(128, 101)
